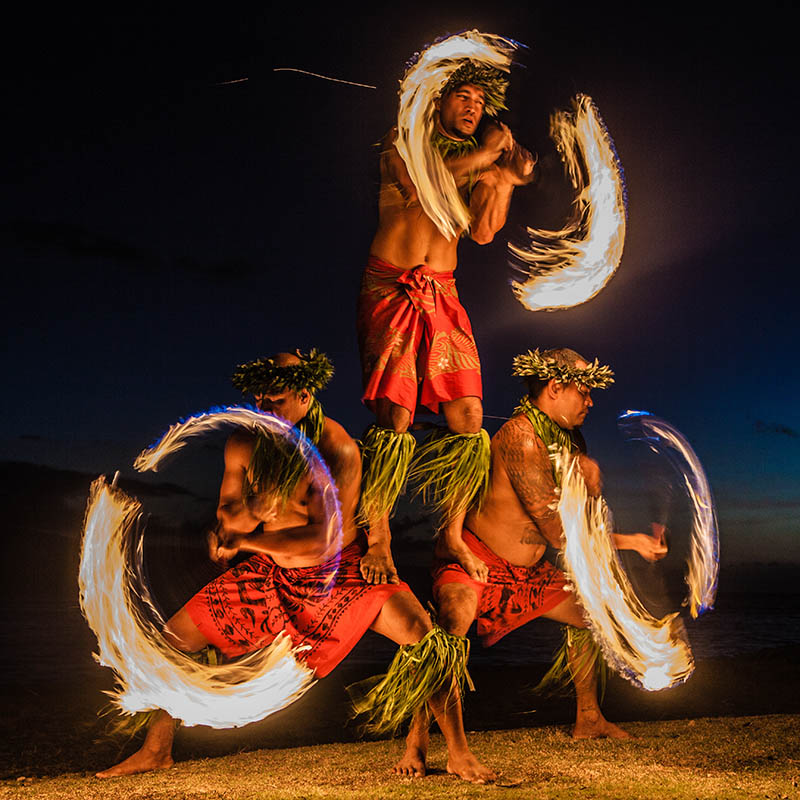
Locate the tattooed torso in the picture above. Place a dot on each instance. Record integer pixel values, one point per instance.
(518, 518)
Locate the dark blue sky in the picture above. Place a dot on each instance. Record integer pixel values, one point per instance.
(158, 229)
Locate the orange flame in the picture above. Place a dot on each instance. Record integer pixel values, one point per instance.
(150, 672)
(567, 267)
(652, 653)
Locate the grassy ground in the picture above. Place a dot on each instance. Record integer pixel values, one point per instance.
(720, 758)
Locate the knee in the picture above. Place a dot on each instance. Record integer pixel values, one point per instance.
(457, 605)
(183, 634)
(464, 415)
(392, 416)
(418, 627)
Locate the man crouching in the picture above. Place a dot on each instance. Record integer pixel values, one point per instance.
(302, 580)
(511, 530)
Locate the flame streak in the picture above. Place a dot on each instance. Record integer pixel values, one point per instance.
(567, 267)
(150, 672)
(703, 562)
(651, 653)
(421, 86)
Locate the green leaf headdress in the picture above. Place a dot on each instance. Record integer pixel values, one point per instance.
(540, 365)
(472, 55)
(264, 375)
(277, 465)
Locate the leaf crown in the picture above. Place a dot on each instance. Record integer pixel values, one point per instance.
(313, 373)
(535, 364)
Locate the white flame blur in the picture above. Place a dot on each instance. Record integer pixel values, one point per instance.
(703, 562)
(567, 267)
(421, 86)
(151, 673)
(651, 653)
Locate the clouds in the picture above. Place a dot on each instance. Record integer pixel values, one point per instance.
(75, 241)
(776, 428)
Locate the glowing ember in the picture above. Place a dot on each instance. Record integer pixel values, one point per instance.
(651, 653)
(703, 563)
(422, 84)
(150, 672)
(567, 267)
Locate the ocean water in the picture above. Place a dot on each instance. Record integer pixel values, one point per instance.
(49, 641)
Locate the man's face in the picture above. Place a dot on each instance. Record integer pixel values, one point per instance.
(573, 403)
(291, 406)
(461, 110)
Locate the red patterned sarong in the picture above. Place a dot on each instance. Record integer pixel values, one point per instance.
(413, 330)
(249, 605)
(511, 597)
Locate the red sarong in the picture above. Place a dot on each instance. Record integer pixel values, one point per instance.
(413, 330)
(511, 597)
(249, 605)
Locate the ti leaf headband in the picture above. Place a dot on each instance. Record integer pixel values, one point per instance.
(263, 375)
(534, 364)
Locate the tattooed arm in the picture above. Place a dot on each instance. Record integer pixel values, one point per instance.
(527, 464)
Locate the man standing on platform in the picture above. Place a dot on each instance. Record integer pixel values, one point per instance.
(415, 338)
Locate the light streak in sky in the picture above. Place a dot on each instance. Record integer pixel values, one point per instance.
(703, 563)
(423, 83)
(651, 653)
(150, 672)
(324, 77)
(567, 267)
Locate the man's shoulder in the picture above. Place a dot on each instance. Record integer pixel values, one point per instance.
(240, 443)
(335, 438)
(517, 425)
(517, 434)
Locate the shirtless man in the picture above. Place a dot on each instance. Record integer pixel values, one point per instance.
(514, 526)
(244, 609)
(415, 338)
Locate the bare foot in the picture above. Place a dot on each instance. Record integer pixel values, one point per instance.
(468, 768)
(377, 565)
(412, 764)
(141, 761)
(473, 566)
(594, 725)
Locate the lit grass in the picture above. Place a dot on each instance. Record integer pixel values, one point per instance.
(731, 758)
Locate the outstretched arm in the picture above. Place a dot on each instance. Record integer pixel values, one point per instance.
(649, 547)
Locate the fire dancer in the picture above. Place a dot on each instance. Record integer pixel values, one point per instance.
(511, 531)
(415, 338)
(303, 581)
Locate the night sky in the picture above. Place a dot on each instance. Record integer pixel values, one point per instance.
(159, 228)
